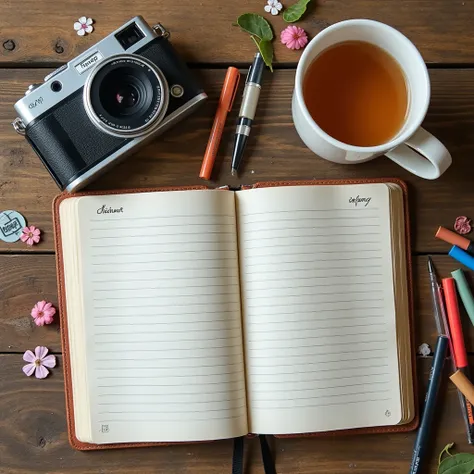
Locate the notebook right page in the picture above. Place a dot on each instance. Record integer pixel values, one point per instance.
(318, 308)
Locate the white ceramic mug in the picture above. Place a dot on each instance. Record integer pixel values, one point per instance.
(431, 158)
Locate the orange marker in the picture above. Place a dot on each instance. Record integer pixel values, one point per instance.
(226, 100)
(455, 239)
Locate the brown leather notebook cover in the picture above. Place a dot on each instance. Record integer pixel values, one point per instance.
(75, 443)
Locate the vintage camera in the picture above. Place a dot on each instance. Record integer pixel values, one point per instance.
(104, 104)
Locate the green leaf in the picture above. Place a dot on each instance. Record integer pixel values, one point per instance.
(261, 33)
(295, 11)
(458, 464)
(266, 50)
(256, 25)
(445, 450)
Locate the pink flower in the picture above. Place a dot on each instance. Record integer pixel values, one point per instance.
(43, 313)
(30, 235)
(463, 225)
(38, 362)
(294, 37)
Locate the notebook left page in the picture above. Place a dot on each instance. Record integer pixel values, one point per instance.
(157, 321)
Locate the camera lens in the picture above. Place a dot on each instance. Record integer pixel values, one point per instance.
(126, 95)
(122, 94)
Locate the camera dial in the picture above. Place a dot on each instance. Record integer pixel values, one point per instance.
(55, 72)
(31, 88)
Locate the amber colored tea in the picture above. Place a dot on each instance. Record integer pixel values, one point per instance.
(357, 93)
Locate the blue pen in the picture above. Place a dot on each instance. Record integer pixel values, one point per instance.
(424, 432)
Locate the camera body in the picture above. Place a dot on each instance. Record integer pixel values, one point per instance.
(105, 103)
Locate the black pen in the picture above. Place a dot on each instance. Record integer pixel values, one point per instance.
(424, 431)
(247, 110)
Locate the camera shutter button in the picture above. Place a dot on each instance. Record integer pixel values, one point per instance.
(31, 88)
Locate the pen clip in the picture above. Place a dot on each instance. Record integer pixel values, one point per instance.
(248, 73)
(234, 93)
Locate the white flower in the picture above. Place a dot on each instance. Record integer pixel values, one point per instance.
(273, 7)
(424, 350)
(84, 25)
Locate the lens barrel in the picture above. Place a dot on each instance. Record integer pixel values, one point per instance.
(126, 95)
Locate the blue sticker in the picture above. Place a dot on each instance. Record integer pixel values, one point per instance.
(11, 223)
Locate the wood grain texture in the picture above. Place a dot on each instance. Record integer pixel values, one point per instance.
(275, 152)
(203, 32)
(35, 33)
(33, 439)
(25, 279)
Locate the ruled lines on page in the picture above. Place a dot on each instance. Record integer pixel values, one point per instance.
(318, 308)
(163, 317)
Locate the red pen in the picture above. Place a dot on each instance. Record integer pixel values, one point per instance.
(226, 100)
(454, 318)
(458, 345)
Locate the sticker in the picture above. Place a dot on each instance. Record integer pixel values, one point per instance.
(11, 223)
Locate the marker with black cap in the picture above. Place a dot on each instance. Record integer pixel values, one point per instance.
(247, 110)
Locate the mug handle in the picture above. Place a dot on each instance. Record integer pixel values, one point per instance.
(435, 159)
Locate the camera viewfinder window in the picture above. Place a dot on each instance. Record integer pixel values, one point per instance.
(129, 36)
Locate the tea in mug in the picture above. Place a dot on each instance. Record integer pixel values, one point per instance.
(357, 93)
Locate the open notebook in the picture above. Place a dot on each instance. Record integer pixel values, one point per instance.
(207, 314)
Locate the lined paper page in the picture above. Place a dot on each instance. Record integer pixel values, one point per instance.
(163, 323)
(318, 308)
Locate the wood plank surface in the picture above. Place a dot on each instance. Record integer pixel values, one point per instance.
(275, 152)
(33, 439)
(25, 279)
(203, 32)
(39, 34)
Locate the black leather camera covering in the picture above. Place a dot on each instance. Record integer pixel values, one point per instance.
(69, 144)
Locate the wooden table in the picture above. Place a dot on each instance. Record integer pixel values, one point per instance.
(38, 35)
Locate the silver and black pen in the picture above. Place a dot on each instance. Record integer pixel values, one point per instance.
(247, 110)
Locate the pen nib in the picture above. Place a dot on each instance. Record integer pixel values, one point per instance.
(233, 172)
(431, 268)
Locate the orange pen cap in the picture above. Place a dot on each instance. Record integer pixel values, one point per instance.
(229, 89)
(226, 100)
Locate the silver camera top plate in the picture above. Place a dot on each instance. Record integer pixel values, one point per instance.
(73, 75)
